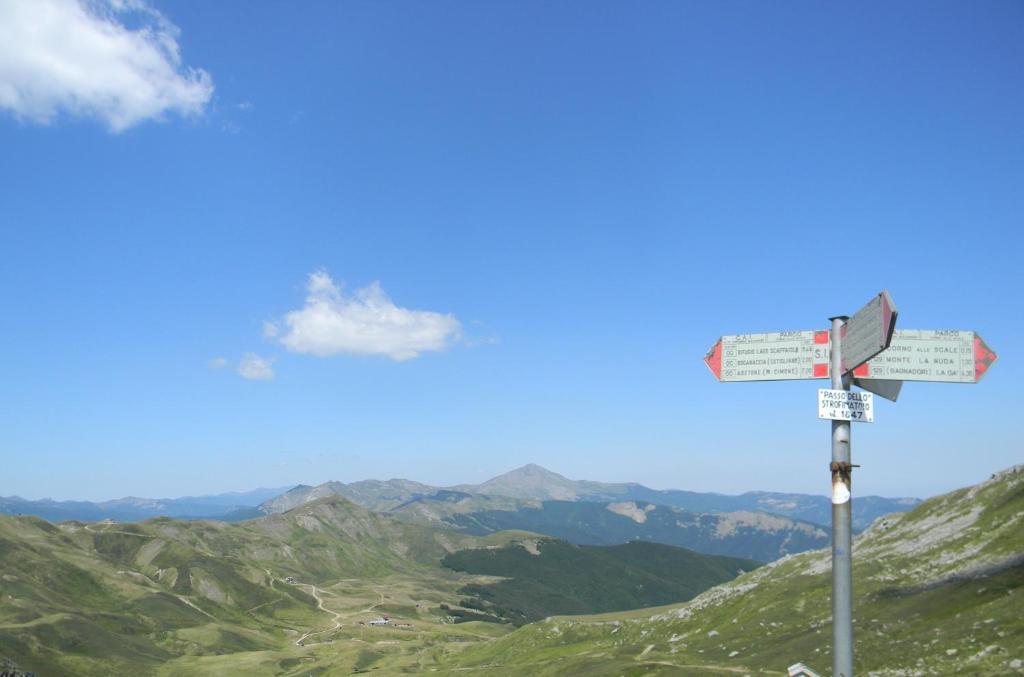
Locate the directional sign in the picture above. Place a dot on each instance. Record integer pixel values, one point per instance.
(886, 388)
(912, 355)
(773, 356)
(929, 355)
(846, 405)
(868, 332)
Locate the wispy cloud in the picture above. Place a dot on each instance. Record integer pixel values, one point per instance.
(256, 368)
(79, 58)
(366, 322)
(217, 363)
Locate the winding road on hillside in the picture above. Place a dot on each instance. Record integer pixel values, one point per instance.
(336, 615)
(320, 605)
(314, 591)
(108, 530)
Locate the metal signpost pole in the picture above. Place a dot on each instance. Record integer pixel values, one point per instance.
(865, 350)
(842, 571)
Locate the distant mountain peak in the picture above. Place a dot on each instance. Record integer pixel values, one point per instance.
(531, 481)
(534, 470)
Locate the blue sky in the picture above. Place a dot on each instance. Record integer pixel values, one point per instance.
(563, 204)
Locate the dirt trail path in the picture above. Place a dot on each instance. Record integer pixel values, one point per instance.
(108, 530)
(187, 601)
(320, 605)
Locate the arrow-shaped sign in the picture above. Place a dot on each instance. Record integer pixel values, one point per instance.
(890, 390)
(774, 356)
(930, 355)
(913, 355)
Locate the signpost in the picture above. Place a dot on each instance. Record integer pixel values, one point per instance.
(864, 350)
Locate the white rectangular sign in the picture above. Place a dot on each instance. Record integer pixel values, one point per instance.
(846, 405)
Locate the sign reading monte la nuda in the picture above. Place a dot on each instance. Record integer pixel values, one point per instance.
(930, 355)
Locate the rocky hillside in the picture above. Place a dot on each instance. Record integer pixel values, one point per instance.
(752, 535)
(371, 494)
(937, 591)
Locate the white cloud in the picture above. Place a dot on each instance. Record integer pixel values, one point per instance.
(217, 363)
(256, 368)
(270, 329)
(366, 322)
(79, 57)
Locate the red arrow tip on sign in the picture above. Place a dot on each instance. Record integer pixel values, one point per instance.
(714, 359)
(983, 357)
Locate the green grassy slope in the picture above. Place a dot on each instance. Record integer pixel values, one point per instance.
(547, 576)
(938, 590)
(107, 598)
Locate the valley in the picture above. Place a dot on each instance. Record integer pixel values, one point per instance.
(937, 591)
(325, 584)
(329, 587)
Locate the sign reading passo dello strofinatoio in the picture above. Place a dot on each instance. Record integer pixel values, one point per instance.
(846, 405)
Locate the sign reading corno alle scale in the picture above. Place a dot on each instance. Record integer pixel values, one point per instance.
(931, 355)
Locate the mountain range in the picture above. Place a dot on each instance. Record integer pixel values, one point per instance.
(535, 483)
(230, 506)
(758, 525)
(530, 483)
(936, 592)
(752, 535)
